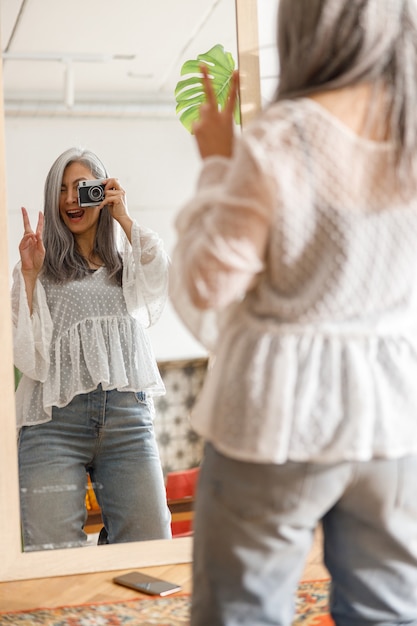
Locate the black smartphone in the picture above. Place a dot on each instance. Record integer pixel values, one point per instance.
(146, 584)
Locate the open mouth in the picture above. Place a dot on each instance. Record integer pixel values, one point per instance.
(75, 214)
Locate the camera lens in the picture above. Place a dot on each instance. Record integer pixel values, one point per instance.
(95, 193)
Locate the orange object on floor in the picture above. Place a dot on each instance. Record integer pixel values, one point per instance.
(180, 489)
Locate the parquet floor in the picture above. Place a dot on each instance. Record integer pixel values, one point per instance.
(98, 587)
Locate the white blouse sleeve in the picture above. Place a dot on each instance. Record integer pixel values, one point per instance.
(32, 334)
(222, 232)
(145, 275)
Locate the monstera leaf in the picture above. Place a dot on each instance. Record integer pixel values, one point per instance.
(17, 376)
(189, 92)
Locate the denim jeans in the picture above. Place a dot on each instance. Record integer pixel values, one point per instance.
(254, 526)
(110, 435)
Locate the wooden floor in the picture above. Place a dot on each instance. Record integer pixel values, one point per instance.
(85, 588)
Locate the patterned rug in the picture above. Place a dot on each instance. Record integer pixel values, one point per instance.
(311, 610)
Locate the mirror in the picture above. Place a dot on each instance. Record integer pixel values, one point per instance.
(14, 563)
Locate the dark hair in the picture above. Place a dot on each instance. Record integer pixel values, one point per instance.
(63, 261)
(329, 44)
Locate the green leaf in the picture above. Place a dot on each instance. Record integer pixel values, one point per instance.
(189, 92)
(17, 376)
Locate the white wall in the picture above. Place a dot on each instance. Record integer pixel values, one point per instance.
(156, 161)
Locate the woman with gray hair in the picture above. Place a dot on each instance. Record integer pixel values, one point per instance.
(300, 245)
(81, 306)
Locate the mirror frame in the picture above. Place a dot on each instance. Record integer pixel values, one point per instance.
(16, 564)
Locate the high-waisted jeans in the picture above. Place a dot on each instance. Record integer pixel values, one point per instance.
(254, 526)
(110, 435)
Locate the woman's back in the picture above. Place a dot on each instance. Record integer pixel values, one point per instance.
(342, 239)
(300, 240)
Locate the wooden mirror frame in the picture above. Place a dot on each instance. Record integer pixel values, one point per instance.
(15, 564)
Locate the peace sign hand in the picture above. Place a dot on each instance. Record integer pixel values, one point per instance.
(214, 131)
(31, 248)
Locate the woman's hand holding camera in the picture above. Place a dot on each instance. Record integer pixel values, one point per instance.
(116, 202)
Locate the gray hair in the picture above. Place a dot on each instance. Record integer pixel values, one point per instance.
(329, 44)
(63, 261)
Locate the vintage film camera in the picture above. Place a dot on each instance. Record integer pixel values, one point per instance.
(91, 192)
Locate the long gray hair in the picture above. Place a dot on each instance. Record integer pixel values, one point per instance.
(63, 261)
(328, 44)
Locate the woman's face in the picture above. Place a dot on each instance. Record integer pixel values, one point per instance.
(80, 221)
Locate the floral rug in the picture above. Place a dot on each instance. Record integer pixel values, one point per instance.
(311, 610)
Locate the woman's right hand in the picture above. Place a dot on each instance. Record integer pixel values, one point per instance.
(214, 130)
(31, 248)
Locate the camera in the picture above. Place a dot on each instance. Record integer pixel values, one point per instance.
(91, 192)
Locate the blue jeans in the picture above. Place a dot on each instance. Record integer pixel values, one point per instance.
(110, 435)
(254, 526)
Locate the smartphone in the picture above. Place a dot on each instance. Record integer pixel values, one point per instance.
(146, 584)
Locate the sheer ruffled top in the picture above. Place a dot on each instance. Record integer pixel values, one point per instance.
(302, 251)
(89, 331)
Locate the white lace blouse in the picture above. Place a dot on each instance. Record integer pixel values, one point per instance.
(302, 251)
(89, 331)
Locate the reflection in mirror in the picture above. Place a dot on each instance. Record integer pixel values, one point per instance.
(110, 89)
(123, 110)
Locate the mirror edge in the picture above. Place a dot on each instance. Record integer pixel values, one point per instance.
(248, 53)
(9, 495)
(18, 565)
(15, 564)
